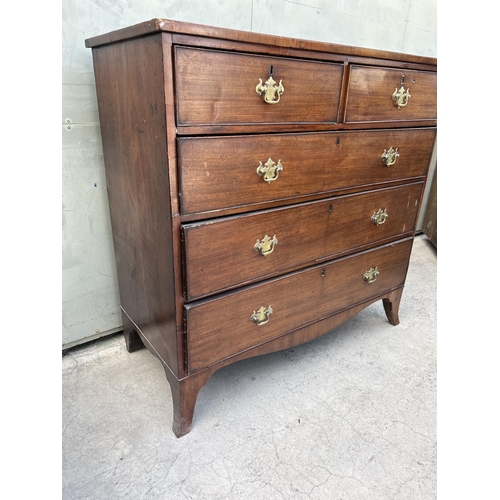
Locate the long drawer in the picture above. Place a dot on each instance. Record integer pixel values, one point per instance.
(216, 87)
(221, 327)
(228, 252)
(371, 91)
(226, 172)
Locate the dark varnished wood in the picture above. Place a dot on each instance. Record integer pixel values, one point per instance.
(216, 87)
(312, 163)
(164, 84)
(343, 92)
(259, 128)
(179, 27)
(133, 341)
(221, 327)
(224, 212)
(429, 224)
(185, 391)
(309, 332)
(176, 299)
(370, 95)
(129, 85)
(184, 394)
(184, 408)
(256, 48)
(391, 306)
(220, 253)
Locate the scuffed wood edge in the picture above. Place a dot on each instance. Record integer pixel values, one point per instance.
(168, 25)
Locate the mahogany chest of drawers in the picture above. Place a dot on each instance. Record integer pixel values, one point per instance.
(262, 189)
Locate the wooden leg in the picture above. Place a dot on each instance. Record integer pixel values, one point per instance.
(184, 395)
(132, 340)
(391, 306)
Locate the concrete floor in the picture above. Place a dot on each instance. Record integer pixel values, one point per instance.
(349, 416)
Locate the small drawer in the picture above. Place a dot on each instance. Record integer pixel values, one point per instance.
(381, 95)
(221, 327)
(216, 88)
(225, 172)
(225, 253)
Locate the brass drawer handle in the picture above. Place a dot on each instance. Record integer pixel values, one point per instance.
(261, 317)
(379, 217)
(270, 170)
(371, 275)
(271, 93)
(401, 96)
(390, 157)
(266, 246)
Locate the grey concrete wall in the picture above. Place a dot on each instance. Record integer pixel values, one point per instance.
(90, 289)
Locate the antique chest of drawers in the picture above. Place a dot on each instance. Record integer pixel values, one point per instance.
(262, 189)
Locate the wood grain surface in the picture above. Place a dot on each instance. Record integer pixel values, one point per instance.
(370, 95)
(217, 87)
(220, 254)
(200, 30)
(184, 132)
(130, 86)
(221, 327)
(220, 172)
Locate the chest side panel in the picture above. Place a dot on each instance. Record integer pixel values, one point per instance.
(130, 90)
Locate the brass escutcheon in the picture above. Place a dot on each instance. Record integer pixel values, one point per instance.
(270, 170)
(379, 217)
(371, 275)
(390, 157)
(261, 317)
(266, 246)
(401, 96)
(271, 93)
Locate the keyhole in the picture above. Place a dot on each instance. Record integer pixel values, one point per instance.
(402, 79)
(338, 141)
(330, 208)
(271, 70)
(323, 273)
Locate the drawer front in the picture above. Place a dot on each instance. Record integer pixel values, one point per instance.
(222, 327)
(222, 172)
(237, 250)
(370, 95)
(215, 88)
